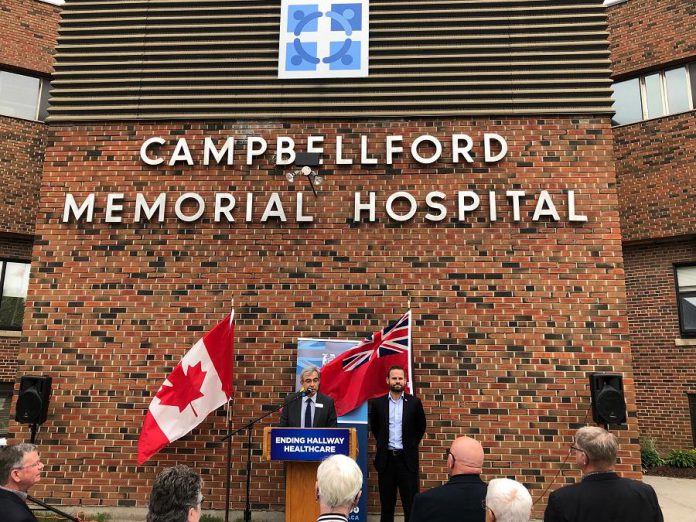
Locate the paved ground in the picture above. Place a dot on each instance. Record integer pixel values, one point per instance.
(677, 497)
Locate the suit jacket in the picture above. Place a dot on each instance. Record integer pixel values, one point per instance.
(14, 509)
(459, 499)
(604, 497)
(412, 430)
(324, 415)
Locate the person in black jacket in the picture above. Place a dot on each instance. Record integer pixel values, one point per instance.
(20, 469)
(314, 409)
(602, 495)
(462, 497)
(397, 421)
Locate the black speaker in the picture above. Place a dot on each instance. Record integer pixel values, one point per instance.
(32, 402)
(608, 403)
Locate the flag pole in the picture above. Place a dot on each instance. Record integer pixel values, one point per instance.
(410, 344)
(230, 404)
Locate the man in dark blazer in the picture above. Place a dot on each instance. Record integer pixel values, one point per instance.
(462, 498)
(308, 408)
(20, 469)
(601, 496)
(397, 421)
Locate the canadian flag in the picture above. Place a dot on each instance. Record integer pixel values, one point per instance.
(200, 384)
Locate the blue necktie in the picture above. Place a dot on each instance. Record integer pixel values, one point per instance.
(308, 414)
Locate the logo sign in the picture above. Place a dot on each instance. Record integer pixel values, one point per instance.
(323, 39)
(309, 444)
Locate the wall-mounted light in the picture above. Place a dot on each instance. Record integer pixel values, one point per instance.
(307, 160)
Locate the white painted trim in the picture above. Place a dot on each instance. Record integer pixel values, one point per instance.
(54, 2)
(614, 2)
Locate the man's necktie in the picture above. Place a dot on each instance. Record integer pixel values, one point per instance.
(308, 414)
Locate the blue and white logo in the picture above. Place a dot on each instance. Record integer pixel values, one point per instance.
(323, 39)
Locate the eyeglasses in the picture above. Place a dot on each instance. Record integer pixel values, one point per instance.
(447, 454)
(574, 447)
(35, 464)
(485, 507)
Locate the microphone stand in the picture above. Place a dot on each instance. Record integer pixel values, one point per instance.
(249, 426)
(54, 510)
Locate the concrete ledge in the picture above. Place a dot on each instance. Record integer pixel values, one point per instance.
(10, 333)
(685, 342)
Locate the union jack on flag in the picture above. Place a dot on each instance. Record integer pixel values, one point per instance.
(393, 340)
(360, 373)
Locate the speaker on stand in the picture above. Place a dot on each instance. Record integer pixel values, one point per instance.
(608, 403)
(32, 402)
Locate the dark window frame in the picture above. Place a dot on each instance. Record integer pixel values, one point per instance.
(7, 391)
(691, 333)
(3, 269)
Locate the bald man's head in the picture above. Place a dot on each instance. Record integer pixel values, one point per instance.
(466, 457)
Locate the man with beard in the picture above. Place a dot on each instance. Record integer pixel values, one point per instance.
(314, 409)
(397, 421)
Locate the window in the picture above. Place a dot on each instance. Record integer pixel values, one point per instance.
(654, 95)
(686, 296)
(23, 96)
(692, 411)
(5, 401)
(14, 281)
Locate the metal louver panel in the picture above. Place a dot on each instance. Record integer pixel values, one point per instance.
(213, 59)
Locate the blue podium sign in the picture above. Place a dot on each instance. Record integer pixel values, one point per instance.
(308, 444)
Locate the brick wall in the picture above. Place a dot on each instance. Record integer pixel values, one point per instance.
(20, 249)
(509, 317)
(664, 372)
(22, 145)
(28, 32)
(655, 171)
(644, 34)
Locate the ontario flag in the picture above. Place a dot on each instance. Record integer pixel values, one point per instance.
(200, 384)
(360, 373)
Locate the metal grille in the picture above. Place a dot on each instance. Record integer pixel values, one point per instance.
(211, 59)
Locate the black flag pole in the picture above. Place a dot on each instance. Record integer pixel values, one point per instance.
(230, 404)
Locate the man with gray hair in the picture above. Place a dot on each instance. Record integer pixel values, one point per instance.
(338, 488)
(308, 408)
(601, 496)
(20, 469)
(176, 496)
(507, 501)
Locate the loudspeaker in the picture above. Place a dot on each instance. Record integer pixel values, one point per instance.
(32, 402)
(608, 403)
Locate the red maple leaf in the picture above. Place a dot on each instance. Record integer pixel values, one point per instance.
(184, 389)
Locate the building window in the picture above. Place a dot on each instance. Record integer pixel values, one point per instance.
(5, 401)
(692, 411)
(14, 282)
(23, 96)
(686, 295)
(654, 95)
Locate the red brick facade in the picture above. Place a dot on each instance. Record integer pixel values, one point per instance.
(509, 317)
(655, 174)
(655, 170)
(664, 371)
(645, 34)
(28, 32)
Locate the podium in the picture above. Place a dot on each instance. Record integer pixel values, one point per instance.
(302, 449)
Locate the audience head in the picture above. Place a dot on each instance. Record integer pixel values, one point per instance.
(176, 496)
(465, 457)
(20, 467)
(507, 501)
(595, 449)
(339, 485)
